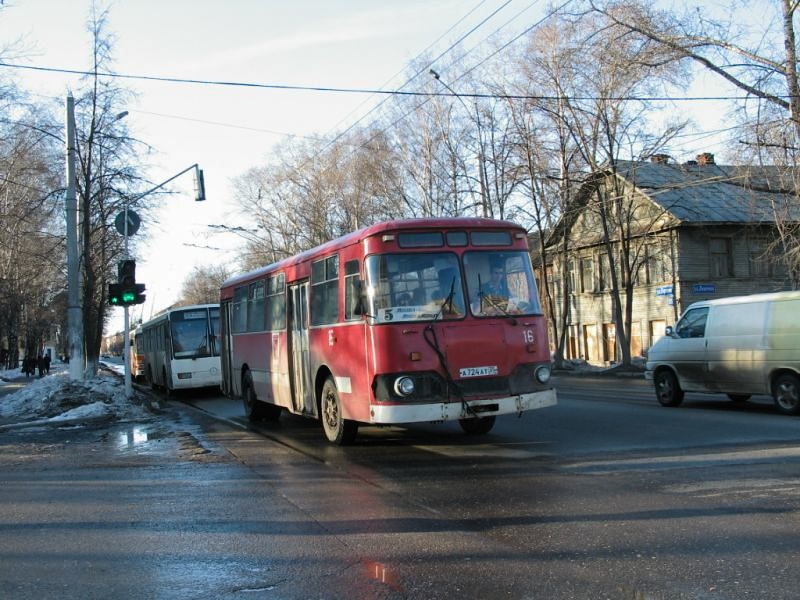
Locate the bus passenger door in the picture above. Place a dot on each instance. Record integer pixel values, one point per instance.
(302, 386)
(225, 350)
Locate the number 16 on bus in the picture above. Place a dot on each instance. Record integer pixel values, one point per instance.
(408, 321)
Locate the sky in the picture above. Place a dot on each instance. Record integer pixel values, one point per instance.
(351, 44)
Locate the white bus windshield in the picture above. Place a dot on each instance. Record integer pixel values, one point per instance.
(193, 334)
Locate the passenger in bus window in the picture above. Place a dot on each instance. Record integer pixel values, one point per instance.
(403, 300)
(449, 281)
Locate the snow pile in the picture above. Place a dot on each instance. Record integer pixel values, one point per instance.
(56, 398)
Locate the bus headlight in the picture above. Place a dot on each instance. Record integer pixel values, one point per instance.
(404, 386)
(543, 373)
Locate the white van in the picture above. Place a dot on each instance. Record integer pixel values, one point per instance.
(737, 346)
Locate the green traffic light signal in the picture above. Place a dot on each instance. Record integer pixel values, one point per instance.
(114, 294)
(128, 296)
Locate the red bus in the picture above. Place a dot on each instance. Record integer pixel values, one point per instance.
(418, 320)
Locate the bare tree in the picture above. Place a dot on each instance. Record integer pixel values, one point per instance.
(106, 174)
(550, 163)
(601, 106)
(31, 277)
(202, 285)
(319, 191)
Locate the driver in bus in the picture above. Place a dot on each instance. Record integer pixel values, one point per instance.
(494, 295)
(497, 284)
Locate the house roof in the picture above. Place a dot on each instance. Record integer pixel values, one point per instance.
(711, 193)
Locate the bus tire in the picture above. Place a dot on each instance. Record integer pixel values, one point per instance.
(253, 409)
(338, 430)
(167, 383)
(477, 426)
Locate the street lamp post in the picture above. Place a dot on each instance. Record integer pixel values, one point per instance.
(74, 312)
(481, 157)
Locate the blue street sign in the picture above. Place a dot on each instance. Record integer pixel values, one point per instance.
(704, 288)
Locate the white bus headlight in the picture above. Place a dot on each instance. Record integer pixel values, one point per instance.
(543, 373)
(404, 386)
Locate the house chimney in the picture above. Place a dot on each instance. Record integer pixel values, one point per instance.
(659, 159)
(706, 158)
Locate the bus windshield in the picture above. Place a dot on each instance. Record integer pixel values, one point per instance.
(414, 287)
(191, 337)
(501, 283)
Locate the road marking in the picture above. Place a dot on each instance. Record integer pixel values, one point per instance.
(652, 463)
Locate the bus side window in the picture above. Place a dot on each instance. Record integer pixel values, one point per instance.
(353, 291)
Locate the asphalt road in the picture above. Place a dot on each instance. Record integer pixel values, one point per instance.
(607, 495)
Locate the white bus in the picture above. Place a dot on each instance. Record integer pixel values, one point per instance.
(181, 348)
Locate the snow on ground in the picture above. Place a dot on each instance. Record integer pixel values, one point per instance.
(55, 398)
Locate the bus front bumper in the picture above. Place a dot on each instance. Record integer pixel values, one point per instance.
(387, 414)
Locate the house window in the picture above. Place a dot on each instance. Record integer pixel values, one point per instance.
(571, 277)
(605, 273)
(720, 259)
(759, 259)
(656, 264)
(587, 275)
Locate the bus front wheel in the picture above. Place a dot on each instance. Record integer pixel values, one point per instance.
(338, 430)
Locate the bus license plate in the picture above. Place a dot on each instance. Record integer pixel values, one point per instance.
(477, 371)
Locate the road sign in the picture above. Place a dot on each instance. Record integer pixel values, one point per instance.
(133, 222)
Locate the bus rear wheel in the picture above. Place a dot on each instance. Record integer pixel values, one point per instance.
(254, 409)
(477, 426)
(338, 430)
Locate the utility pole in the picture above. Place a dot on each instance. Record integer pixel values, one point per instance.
(74, 310)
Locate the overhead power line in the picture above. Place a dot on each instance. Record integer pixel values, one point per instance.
(286, 87)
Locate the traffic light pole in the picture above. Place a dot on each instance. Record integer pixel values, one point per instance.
(126, 324)
(199, 195)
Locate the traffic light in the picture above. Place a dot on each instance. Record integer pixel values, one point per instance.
(126, 291)
(126, 273)
(126, 276)
(138, 296)
(114, 294)
(199, 184)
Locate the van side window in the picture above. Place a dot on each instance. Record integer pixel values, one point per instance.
(693, 323)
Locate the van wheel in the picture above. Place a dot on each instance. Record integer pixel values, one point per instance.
(338, 430)
(668, 390)
(786, 392)
(478, 426)
(738, 398)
